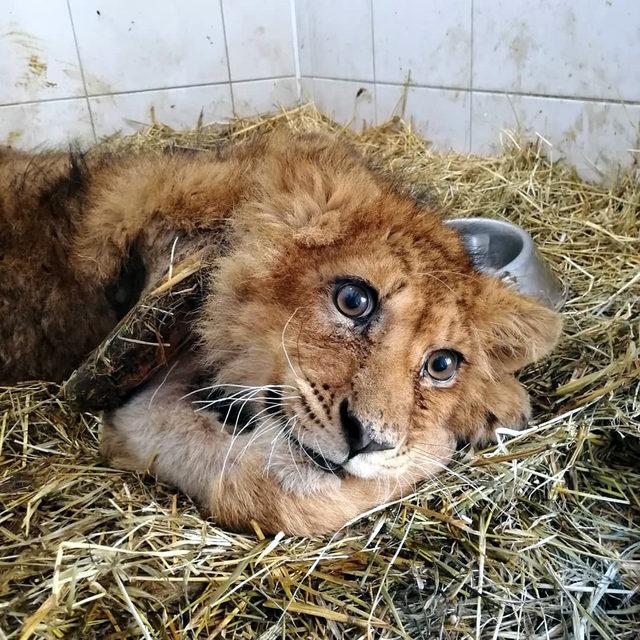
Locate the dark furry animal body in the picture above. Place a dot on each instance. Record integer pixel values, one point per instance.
(51, 315)
(58, 301)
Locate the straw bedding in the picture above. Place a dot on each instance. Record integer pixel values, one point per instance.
(538, 537)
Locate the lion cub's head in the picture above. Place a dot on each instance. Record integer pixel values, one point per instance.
(372, 342)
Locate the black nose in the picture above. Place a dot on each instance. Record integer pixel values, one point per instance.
(358, 436)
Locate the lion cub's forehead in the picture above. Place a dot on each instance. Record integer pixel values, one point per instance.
(413, 275)
(423, 255)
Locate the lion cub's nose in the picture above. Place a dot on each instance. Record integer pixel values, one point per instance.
(358, 436)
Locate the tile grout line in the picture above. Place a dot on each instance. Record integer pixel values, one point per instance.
(496, 92)
(471, 83)
(373, 61)
(603, 101)
(84, 81)
(226, 52)
(296, 49)
(127, 93)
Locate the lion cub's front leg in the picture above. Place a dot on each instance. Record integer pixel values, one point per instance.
(158, 431)
(237, 479)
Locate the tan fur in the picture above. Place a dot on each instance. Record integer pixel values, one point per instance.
(283, 217)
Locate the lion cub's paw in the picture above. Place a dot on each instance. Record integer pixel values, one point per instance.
(507, 407)
(303, 479)
(114, 449)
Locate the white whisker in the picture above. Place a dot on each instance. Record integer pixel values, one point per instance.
(155, 393)
(269, 387)
(293, 458)
(284, 348)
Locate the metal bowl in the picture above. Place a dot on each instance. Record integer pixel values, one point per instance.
(508, 252)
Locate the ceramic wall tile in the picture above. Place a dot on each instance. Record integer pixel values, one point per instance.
(133, 45)
(430, 42)
(38, 56)
(350, 103)
(43, 125)
(577, 48)
(571, 68)
(261, 96)
(595, 136)
(440, 115)
(335, 39)
(177, 108)
(259, 38)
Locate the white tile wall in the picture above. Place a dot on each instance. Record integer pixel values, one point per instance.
(130, 61)
(440, 115)
(46, 124)
(569, 71)
(350, 103)
(433, 48)
(131, 45)
(259, 39)
(594, 136)
(178, 108)
(38, 58)
(336, 39)
(261, 96)
(576, 48)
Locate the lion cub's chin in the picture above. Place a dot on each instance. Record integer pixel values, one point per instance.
(363, 467)
(307, 479)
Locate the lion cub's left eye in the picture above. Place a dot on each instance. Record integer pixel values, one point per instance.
(441, 365)
(354, 300)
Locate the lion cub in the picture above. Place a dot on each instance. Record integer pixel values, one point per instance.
(345, 346)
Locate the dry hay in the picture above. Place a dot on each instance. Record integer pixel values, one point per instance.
(538, 537)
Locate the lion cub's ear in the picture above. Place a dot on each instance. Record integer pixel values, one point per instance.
(514, 330)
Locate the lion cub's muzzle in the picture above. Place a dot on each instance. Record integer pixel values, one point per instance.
(354, 437)
(360, 436)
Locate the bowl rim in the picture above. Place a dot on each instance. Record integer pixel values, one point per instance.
(528, 265)
(527, 253)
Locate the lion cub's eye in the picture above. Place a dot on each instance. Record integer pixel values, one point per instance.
(354, 299)
(441, 365)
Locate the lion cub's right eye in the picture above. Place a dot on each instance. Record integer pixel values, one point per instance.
(442, 365)
(354, 299)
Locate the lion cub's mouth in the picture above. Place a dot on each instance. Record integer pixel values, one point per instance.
(320, 461)
(275, 407)
(238, 417)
